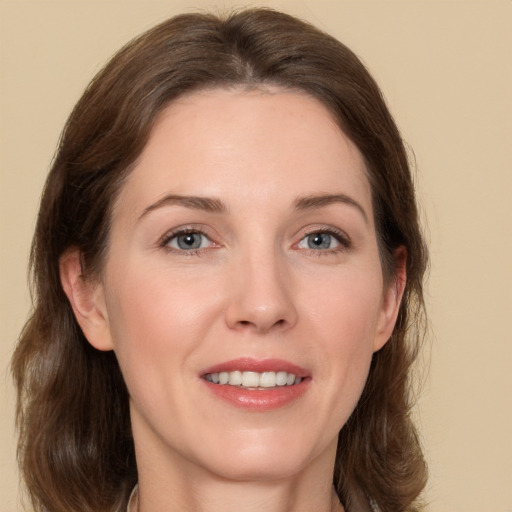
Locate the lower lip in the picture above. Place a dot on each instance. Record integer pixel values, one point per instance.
(259, 400)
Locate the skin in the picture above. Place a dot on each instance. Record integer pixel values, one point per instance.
(257, 287)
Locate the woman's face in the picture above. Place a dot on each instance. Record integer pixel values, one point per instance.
(243, 247)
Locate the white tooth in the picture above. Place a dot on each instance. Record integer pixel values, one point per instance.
(250, 379)
(254, 379)
(267, 380)
(235, 378)
(281, 378)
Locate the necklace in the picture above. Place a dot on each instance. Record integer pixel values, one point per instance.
(133, 501)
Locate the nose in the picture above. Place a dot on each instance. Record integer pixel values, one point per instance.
(261, 298)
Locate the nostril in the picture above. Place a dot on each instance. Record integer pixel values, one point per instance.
(260, 313)
(261, 326)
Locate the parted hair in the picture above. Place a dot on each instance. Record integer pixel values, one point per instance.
(75, 450)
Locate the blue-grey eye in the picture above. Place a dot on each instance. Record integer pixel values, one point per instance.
(319, 241)
(189, 241)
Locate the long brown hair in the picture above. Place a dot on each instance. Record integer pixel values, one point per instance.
(75, 446)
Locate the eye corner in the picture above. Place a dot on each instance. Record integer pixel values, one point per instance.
(323, 240)
(187, 241)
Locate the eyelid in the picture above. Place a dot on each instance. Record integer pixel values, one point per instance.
(174, 241)
(164, 240)
(341, 236)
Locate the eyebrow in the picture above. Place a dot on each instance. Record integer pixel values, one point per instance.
(214, 205)
(207, 204)
(320, 200)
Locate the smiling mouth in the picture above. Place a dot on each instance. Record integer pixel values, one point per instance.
(253, 380)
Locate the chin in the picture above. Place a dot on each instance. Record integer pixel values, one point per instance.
(268, 461)
(246, 469)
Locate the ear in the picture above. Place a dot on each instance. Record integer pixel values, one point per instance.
(391, 300)
(87, 299)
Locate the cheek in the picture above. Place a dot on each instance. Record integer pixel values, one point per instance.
(156, 321)
(347, 308)
(344, 318)
(155, 304)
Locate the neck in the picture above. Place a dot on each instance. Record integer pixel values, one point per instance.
(244, 499)
(172, 486)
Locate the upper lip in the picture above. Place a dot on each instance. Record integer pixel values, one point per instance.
(247, 364)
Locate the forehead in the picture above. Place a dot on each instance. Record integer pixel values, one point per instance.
(241, 145)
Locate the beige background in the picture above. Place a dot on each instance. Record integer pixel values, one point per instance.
(446, 71)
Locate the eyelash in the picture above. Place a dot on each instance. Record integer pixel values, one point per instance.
(169, 236)
(342, 238)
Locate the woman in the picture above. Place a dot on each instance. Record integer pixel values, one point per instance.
(228, 278)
